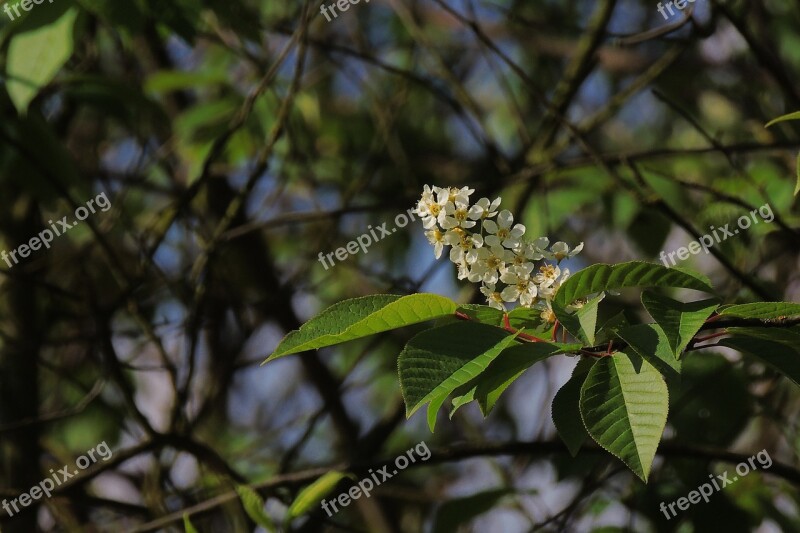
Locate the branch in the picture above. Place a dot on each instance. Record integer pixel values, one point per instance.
(458, 453)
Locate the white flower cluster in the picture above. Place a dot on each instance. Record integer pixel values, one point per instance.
(487, 248)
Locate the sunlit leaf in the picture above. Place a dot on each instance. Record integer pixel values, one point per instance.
(362, 317)
(36, 56)
(624, 404)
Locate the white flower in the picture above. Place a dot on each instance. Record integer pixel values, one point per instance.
(547, 276)
(520, 261)
(502, 232)
(495, 254)
(462, 242)
(459, 196)
(436, 238)
(484, 209)
(463, 270)
(430, 207)
(427, 197)
(548, 291)
(493, 297)
(562, 279)
(560, 250)
(520, 286)
(488, 263)
(456, 216)
(537, 250)
(546, 309)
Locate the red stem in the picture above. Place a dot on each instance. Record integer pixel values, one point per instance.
(593, 354)
(525, 336)
(506, 326)
(462, 316)
(709, 337)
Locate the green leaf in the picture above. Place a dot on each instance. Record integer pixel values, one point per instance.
(788, 336)
(680, 321)
(437, 361)
(483, 314)
(566, 410)
(361, 317)
(762, 310)
(527, 318)
(651, 343)
(187, 524)
(503, 371)
(254, 507)
(784, 118)
(607, 331)
(583, 322)
(625, 411)
(36, 56)
(460, 511)
(783, 358)
(601, 277)
(313, 494)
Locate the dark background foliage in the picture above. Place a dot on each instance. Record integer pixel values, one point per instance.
(237, 140)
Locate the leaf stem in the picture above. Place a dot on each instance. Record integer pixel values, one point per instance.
(596, 355)
(709, 337)
(525, 336)
(506, 326)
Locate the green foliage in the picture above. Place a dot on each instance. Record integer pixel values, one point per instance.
(624, 403)
(313, 494)
(762, 310)
(483, 314)
(187, 524)
(361, 317)
(679, 321)
(438, 361)
(36, 56)
(782, 357)
(566, 409)
(254, 507)
(617, 395)
(583, 323)
(784, 118)
(650, 342)
(487, 387)
(598, 278)
(200, 259)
